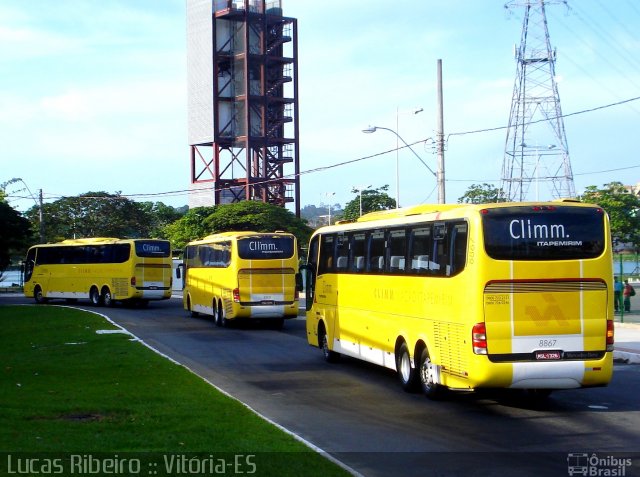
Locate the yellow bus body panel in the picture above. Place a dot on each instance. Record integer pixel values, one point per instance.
(267, 288)
(527, 307)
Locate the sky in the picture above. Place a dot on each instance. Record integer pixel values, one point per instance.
(93, 95)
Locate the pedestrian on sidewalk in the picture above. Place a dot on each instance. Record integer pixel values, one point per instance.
(618, 287)
(627, 293)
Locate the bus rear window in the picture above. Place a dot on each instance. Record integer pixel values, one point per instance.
(153, 248)
(257, 247)
(543, 233)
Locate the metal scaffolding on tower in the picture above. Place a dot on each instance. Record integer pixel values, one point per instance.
(536, 150)
(243, 107)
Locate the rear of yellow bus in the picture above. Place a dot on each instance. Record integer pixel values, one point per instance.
(266, 265)
(152, 273)
(547, 298)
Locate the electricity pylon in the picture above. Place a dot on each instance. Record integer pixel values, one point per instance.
(536, 148)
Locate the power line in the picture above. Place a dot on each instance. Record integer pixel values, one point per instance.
(182, 192)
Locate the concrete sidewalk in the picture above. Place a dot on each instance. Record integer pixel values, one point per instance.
(627, 341)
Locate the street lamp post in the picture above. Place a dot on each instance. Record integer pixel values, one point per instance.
(359, 189)
(372, 129)
(329, 196)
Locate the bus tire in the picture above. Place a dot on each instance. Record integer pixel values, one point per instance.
(427, 372)
(407, 374)
(214, 311)
(107, 298)
(323, 341)
(222, 318)
(191, 312)
(38, 296)
(94, 296)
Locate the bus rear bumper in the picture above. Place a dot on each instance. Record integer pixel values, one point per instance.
(562, 374)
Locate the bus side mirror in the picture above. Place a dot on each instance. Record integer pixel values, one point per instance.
(299, 283)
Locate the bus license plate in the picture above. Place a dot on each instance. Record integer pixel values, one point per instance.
(267, 302)
(548, 355)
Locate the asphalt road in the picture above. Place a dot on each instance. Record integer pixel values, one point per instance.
(359, 414)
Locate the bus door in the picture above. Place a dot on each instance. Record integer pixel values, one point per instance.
(29, 268)
(321, 290)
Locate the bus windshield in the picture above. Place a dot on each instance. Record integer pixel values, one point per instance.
(543, 233)
(257, 247)
(153, 248)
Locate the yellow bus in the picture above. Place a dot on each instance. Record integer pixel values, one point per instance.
(463, 297)
(104, 270)
(234, 275)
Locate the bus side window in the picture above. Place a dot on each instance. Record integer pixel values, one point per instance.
(342, 253)
(327, 244)
(457, 249)
(376, 251)
(397, 249)
(419, 250)
(357, 252)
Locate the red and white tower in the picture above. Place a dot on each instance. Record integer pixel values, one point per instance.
(243, 108)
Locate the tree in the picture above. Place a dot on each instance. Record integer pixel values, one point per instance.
(15, 234)
(93, 214)
(188, 227)
(258, 217)
(162, 215)
(623, 209)
(482, 194)
(372, 200)
(239, 216)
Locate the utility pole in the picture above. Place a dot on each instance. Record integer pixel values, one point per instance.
(41, 215)
(440, 140)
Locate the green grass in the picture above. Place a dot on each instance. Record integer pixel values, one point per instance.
(66, 389)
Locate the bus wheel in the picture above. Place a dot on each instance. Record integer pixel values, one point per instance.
(94, 296)
(429, 377)
(219, 314)
(191, 312)
(214, 311)
(38, 296)
(407, 375)
(107, 299)
(222, 319)
(329, 355)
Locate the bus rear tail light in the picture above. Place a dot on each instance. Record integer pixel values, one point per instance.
(296, 295)
(479, 338)
(133, 281)
(610, 335)
(236, 295)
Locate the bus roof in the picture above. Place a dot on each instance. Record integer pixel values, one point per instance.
(235, 234)
(90, 240)
(93, 241)
(464, 209)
